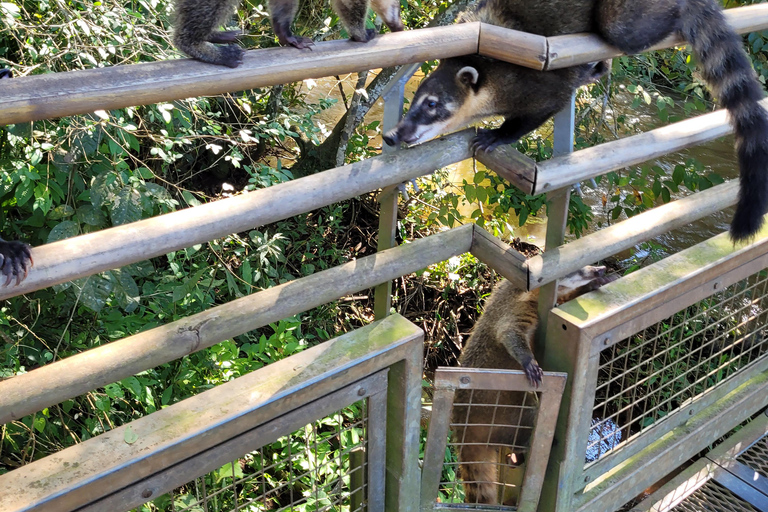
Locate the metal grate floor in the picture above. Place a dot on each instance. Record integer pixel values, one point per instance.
(733, 477)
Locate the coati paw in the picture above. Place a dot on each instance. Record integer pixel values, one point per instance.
(230, 56)
(298, 42)
(224, 37)
(370, 33)
(534, 372)
(15, 261)
(488, 140)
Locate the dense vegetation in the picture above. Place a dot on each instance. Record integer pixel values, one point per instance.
(75, 175)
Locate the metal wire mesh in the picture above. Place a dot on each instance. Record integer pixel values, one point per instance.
(713, 497)
(486, 452)
(320, 467)
(756, 457)
(649, 375)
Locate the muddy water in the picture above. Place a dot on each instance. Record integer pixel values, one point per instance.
(716, 156)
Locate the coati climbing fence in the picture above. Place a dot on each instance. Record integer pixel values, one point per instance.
(660, 363)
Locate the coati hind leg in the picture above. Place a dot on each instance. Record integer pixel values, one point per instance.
(633, 26)
(352, 14)
(389, 10)
(196, 23)
(282, 13)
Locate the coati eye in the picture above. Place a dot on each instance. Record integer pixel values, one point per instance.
(432, 104)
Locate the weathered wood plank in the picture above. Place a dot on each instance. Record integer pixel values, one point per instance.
(80, 92)
(500, 257)
(563, 260)
(587, 163)
(511, 165)
(90, 470)
(572, 49)
(522, 48)
(115, 247)
(78, 374)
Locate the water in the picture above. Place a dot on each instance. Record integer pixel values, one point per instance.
(717, 156)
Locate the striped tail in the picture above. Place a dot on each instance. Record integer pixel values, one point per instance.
(728, 71)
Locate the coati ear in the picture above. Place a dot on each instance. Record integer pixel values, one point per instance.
(595, 70)
(468, 76)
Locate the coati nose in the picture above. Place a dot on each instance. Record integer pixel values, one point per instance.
(390, 138)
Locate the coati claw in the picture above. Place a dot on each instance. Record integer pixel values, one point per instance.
(369, 34)
(298, 42)
(15, 261)
(488, 140)
(534, 372)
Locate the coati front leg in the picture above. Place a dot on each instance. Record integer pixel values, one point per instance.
(15, 261)
(508, 133)
(517, 339)
(196, 24)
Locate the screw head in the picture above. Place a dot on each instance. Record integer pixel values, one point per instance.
(464, 380)
(361, 392)
(146, 493)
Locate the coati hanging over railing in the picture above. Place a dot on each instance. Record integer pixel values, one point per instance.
(197, 21)
(466, 89)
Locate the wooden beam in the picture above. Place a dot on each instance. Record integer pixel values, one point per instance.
(78, 374)
(572, 49)
(500, 257)
(79, 92)
(521, 48)
(84, 473)
(511, 165)
(115, 247)
(565, 170)
(563, 260)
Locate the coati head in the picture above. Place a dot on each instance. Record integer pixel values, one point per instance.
(584, 280)
(463, 90)
(451, 97)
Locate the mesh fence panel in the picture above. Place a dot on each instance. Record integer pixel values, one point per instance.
(487, 448)
(647, 376)
(320, 467)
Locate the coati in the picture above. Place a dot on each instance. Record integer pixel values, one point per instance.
(464, 89)
(503, 339)
(197, 21)
(15, 257)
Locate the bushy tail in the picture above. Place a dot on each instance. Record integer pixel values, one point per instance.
(728, 71)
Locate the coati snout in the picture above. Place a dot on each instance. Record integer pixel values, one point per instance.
(463, 90)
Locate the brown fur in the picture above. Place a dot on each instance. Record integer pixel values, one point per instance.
(527, 98)
(503, 339)
(197, 21)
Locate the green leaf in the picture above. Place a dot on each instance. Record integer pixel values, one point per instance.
(678, 174)
(63, 230)
(129, 436)
(165, 398)
(39, 423)
(127, 207)
(479, 177)
(133, 385)
(665, 195)
(61, 211)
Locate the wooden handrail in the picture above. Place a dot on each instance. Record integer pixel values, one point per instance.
(95, 368)
(78, 92)
(115, 247)
(561, 261)
(587, 163)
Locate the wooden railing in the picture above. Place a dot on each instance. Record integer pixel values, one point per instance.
(39, 97)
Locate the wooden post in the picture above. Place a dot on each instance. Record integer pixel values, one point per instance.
(393, 109)
(557, 217)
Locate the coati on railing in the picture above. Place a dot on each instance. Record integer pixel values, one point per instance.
(15, 257)
(197, 21)
(503, 339)
(466, 89)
